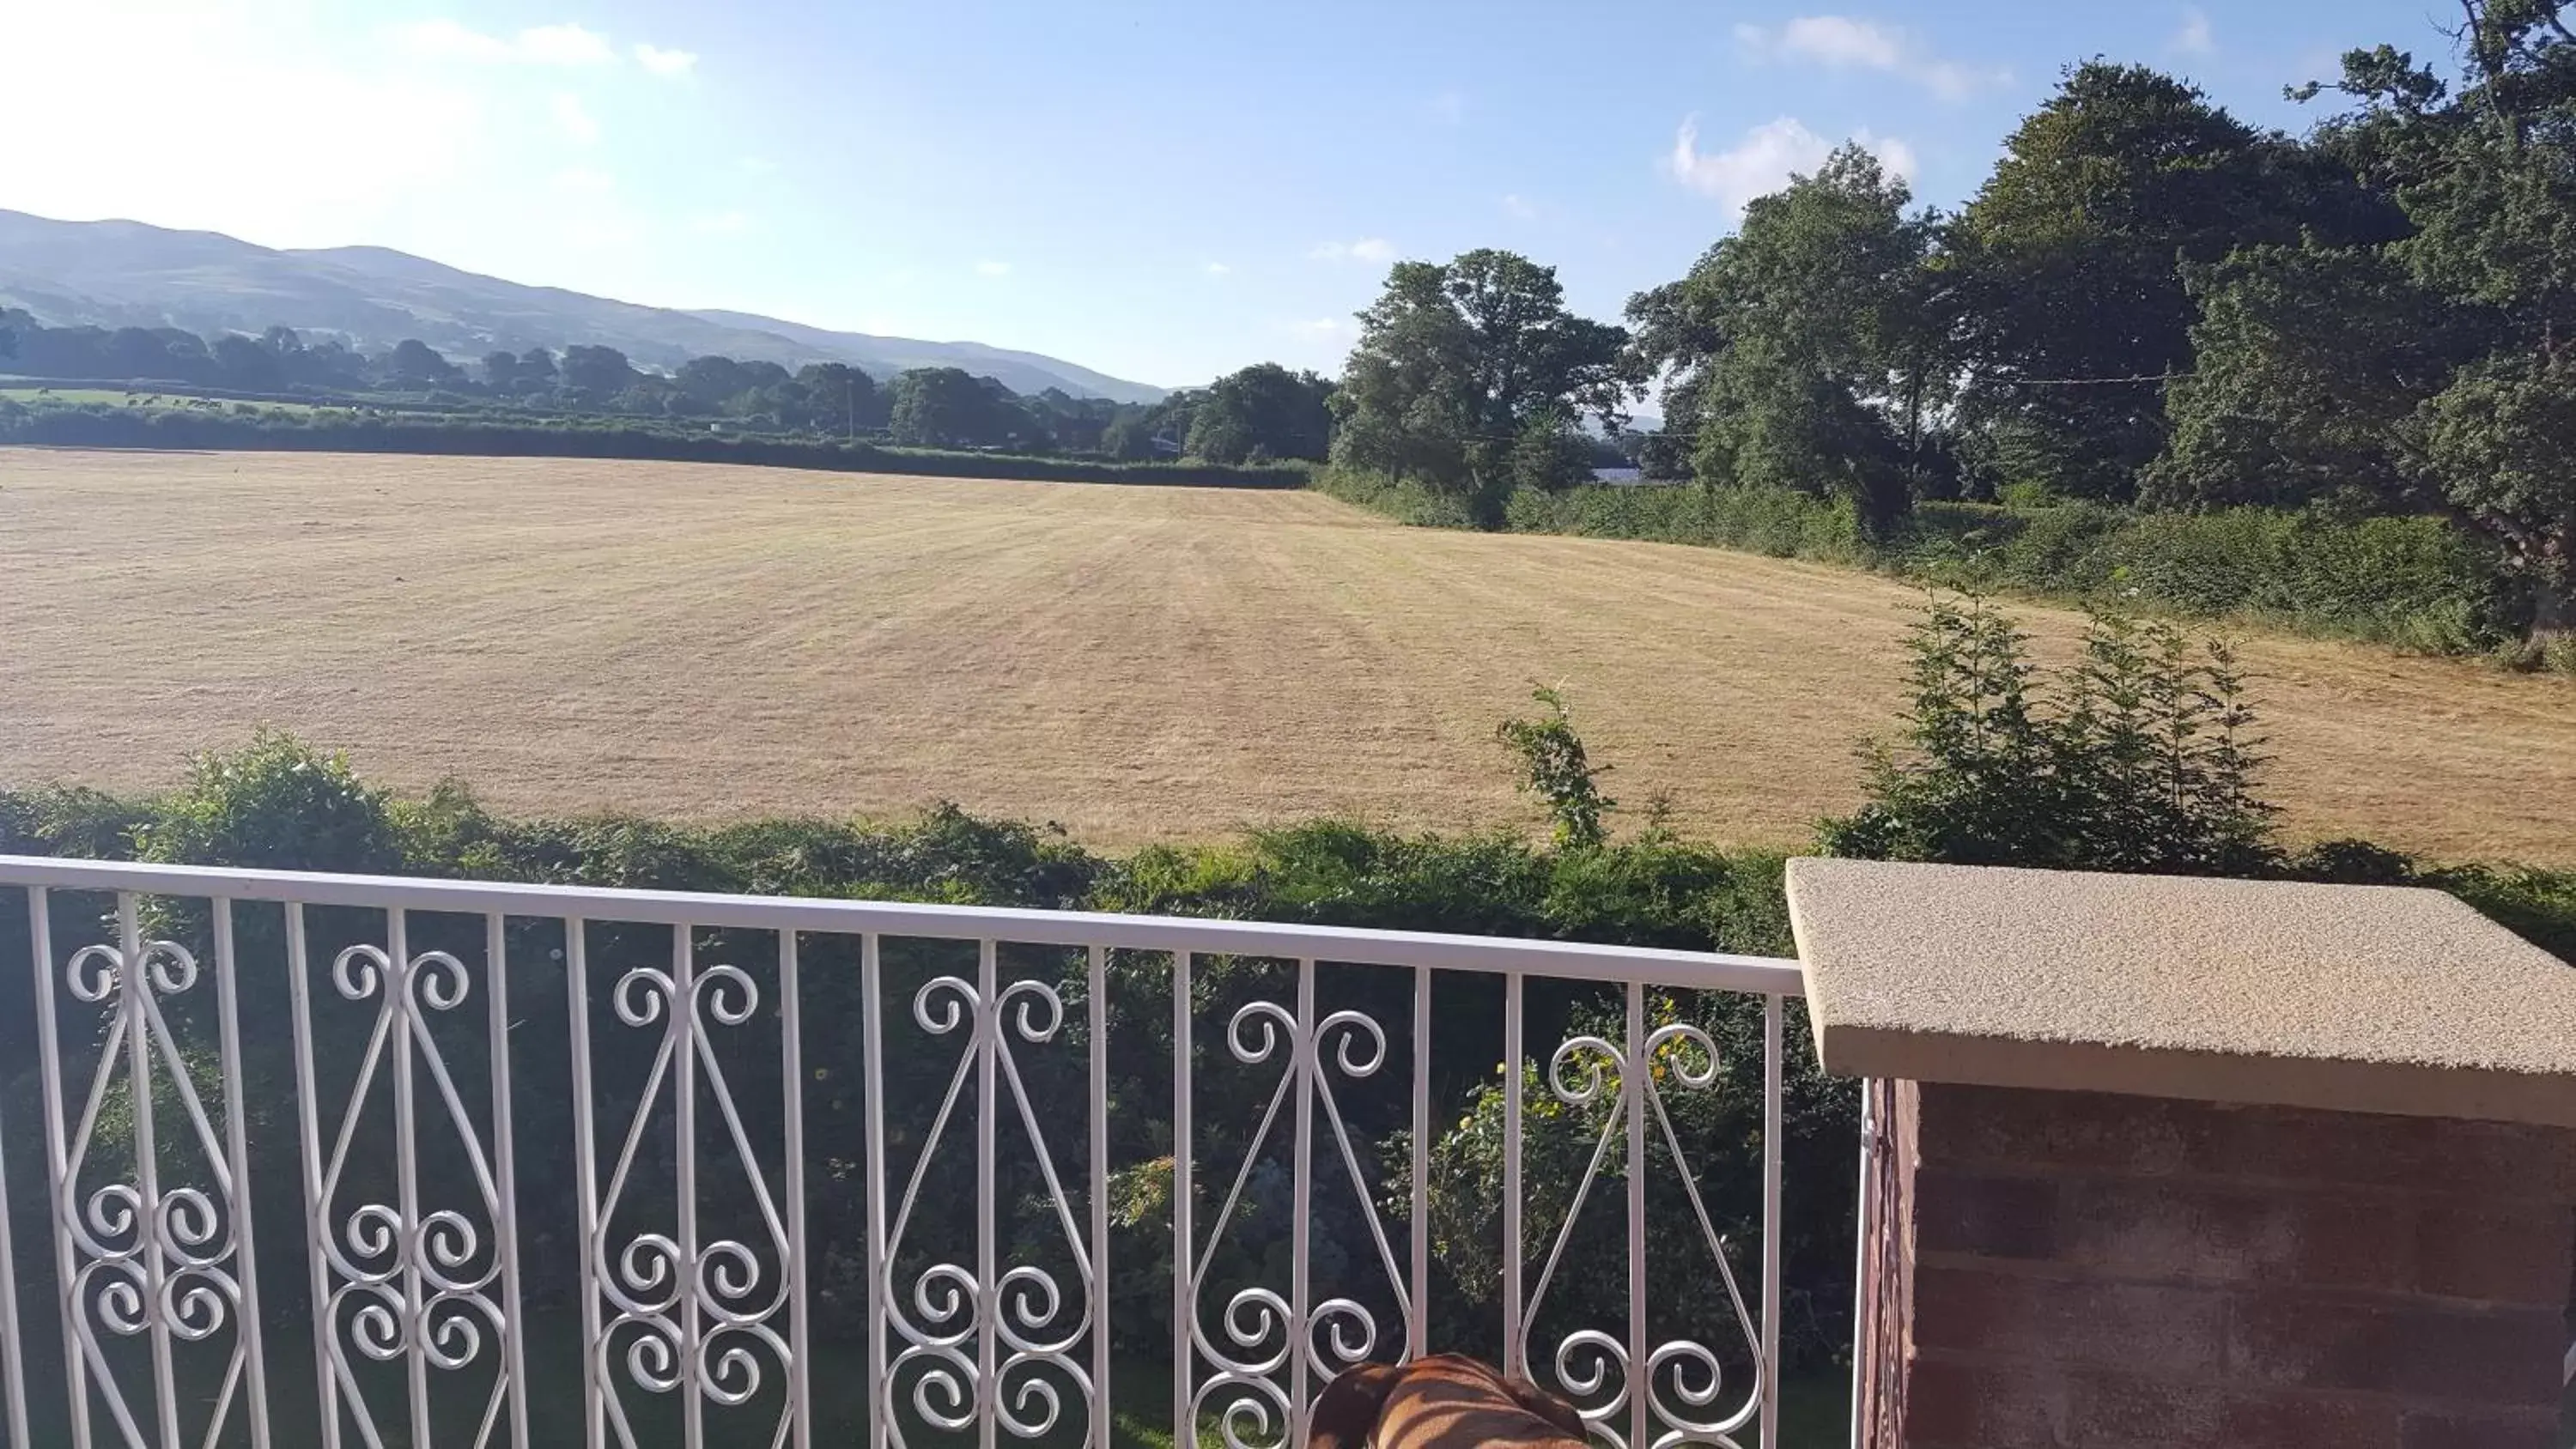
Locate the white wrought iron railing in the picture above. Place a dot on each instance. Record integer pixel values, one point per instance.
(651, 1188)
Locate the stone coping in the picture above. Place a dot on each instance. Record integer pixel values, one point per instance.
(2350, 998)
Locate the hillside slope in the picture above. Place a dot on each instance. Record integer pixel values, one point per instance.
(126, 273)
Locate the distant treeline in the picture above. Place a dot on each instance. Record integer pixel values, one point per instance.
(1260, 414)
(357, 431)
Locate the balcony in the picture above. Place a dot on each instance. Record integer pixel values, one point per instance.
(336, 1160)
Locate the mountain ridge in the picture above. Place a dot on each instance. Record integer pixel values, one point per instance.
(121, 273)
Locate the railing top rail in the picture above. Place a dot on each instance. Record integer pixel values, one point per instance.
(1703, 969)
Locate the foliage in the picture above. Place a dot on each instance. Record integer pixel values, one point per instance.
(277, 803)
(1569, 1115)
(2070, 265)
(1553, 766)
(947, 407)
(1801, 352)
(2139, 757)
(1467, 374)
(1261, 413)
(382, 431)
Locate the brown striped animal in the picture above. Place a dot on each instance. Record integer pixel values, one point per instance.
(1444, 1401)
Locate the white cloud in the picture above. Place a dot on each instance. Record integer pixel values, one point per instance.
(1216, 269)
(2195, 37)
(587, 180)
(575, 119)
(558, 45)
(992, 269)
(1324, 328)
(720, 223)
(675, 63)
(565, 45)
(1520, 206)
(1766, 158)
(1370, 249)
(1838, 42)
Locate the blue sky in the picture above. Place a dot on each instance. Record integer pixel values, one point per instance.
(1163, 191)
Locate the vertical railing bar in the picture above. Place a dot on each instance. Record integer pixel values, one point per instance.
(791, 1051)
(1771, 1216)
(1863, 1259)
(1774, 1010)
(316, 1209)
(1633, 1096)
(236, 1147)
(13, 1344)
(132, 982)
(1099, 985)
(1301, 1202)
(684, 1151)
(1515, 1333)
(58, 1168)
(505, 1227)
(1184, 1236)
(594, 1384)
(872, 1027)
(407, 1173)
(1417, 1326)
(988, 1298)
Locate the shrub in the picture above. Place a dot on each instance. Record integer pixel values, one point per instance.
(276, 803)
(2418, 583)
(2139, 757)
(1554, 767)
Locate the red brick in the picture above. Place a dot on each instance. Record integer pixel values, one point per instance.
(2425, 1154)
(2164, 1230)
(2481, 1431)
(2147, 1329)
(2350, 1240)
(2308, 1421)
(2004, 1127)
(1987, 1217)
(2091, 1132)
(1944, 1402)
(2507, 1359)
(2506, 1253)
(2030, 1408)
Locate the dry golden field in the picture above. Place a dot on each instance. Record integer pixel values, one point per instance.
(1137, 663)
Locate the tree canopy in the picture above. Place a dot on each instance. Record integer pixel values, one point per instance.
(1473, 376)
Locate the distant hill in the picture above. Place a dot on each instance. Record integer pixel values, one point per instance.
(128, 274)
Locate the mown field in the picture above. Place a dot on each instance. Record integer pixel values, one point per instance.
(708, 642)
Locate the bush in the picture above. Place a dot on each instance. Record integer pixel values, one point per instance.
(487, 434)
(278, 804)
(1554, 767)
(2416, 583)
(2138, 757)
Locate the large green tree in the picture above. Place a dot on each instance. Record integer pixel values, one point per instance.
(1263, 411)
(1472, 376)
(2437, 371)
(1807, 350)
(2070, 261)
(840, 398)
(948, 407)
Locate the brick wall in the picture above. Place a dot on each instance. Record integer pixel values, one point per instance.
(2067, 1269)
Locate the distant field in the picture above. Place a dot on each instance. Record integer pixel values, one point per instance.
(1137, 663)
(119, 397)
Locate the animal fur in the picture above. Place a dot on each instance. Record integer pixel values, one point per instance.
(1445, 1401)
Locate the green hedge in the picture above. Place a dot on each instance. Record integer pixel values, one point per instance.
(335, 431)
(2416, 583)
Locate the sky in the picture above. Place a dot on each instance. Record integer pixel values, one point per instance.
(1161, 191)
